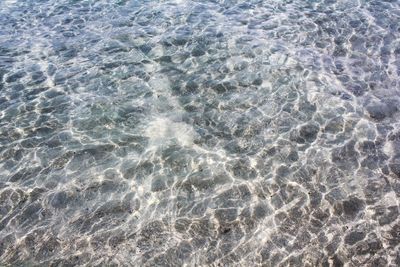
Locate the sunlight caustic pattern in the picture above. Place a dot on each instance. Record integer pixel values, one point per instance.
(200, 133)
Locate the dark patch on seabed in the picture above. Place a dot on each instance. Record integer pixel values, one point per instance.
(199, 133)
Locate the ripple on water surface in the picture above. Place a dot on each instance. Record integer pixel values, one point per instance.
(222, 133)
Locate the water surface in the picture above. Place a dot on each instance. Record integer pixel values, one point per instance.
(199, 133)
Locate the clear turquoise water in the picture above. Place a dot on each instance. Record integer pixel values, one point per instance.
(199, 133)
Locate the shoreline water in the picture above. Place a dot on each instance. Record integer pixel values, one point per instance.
(199, 133)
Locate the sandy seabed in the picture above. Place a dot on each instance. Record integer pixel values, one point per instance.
(200, 133)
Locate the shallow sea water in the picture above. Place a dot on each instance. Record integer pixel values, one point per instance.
(199, 133)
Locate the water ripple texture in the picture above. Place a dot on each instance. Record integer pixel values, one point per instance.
(199, 133)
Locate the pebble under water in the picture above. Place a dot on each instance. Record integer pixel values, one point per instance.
(199, 133)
